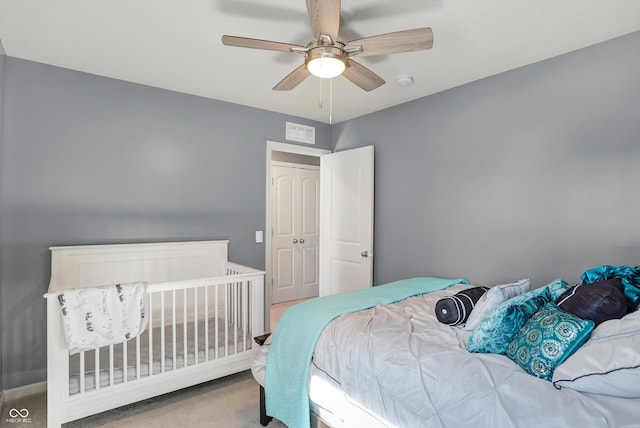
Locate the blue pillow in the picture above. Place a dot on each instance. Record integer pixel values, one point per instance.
(495, 332)
(549, 337)
(557, 288)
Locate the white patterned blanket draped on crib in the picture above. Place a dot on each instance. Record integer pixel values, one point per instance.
(100, 316)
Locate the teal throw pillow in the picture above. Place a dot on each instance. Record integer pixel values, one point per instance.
(549, 337)
(495, 332)
(557, 288)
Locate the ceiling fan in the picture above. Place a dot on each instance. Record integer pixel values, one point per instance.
(328, 57)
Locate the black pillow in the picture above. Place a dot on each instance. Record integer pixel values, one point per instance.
(599, 301)
(454, 310)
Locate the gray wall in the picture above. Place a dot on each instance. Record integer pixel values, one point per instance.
(531, 173)
(94, 160)
(2, 85)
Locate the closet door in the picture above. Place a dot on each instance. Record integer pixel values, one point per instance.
(284, 198)
(308, 244)
(295, 224)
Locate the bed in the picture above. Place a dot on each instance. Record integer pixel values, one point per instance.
(391, 362)
(201, 312)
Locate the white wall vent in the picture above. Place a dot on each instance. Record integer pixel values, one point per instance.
(300, 133)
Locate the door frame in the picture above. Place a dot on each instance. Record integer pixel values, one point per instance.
(274, 146)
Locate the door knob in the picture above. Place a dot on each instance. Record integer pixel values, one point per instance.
(365, 253)
(301, 241)
(295, 241)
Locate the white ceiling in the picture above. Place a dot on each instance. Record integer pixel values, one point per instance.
(175, 44)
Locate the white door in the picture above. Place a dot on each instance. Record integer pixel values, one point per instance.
(295, 223)
(346, 220)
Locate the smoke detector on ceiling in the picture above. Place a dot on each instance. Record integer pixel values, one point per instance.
(404, 80)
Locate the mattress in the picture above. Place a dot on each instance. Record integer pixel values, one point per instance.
(396, 365)
(234, 343)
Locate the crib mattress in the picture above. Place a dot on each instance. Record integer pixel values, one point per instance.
(230, 341)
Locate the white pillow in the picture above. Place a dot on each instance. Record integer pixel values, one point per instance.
(494, 298)
(608, 363)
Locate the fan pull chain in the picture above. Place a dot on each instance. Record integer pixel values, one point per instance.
(320, 104)
(330, 101)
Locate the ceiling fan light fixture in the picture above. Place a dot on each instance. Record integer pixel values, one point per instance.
(326, 68)
(326, 62)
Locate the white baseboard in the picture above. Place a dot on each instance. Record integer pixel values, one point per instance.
(22, 391)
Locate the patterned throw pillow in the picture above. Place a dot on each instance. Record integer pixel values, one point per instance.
(547, 339)
(495, 332)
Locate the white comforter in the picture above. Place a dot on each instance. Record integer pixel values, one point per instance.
(406, 369)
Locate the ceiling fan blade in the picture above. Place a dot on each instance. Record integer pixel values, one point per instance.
(245, 42)
(292, 79)
(324, 16)
(362, 76)
(401, 41)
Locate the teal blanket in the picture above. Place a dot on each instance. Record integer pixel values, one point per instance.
(298, 331)
(629, 277)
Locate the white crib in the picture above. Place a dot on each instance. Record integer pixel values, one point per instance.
(203, 313)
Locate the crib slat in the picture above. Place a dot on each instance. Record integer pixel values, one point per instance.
(226, 320)
(173, 324)
(137, 357)
(110, 365)
(150, 349)
(235, 317)
(96, 357)
(162, 333)
(206, 323)
(81, 372)
(125, 371)
(195, 326)
(245, 313)
(184, 328)
(215, 331)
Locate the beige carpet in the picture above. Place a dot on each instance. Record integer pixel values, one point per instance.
(229, 402)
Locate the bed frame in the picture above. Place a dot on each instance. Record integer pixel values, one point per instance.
(202, 314)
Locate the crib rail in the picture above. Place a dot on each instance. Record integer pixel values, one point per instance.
(191, 323)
